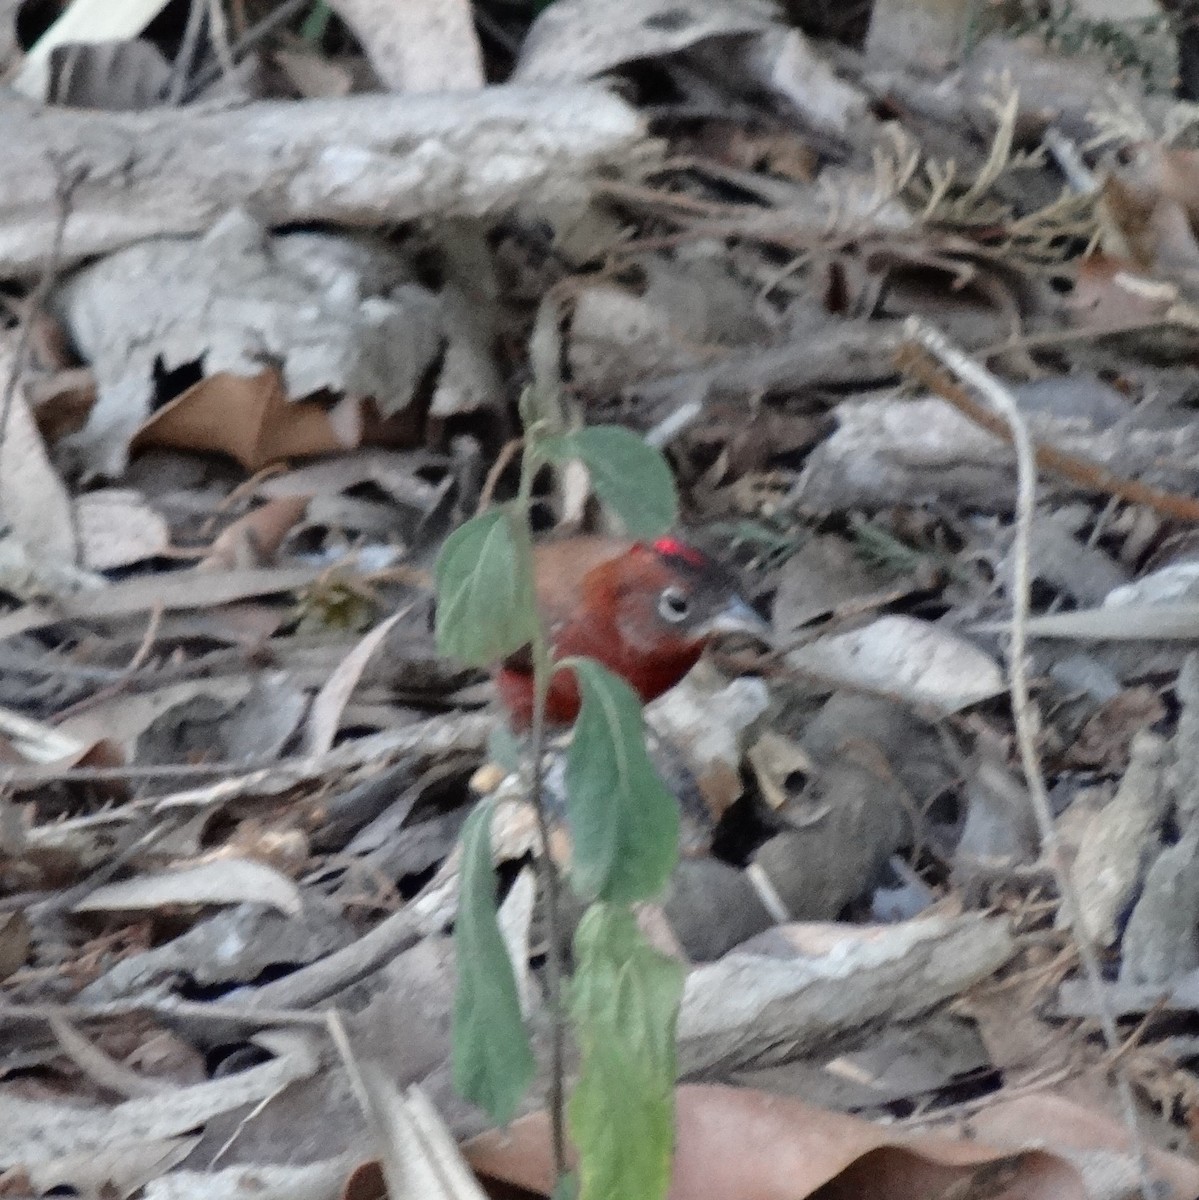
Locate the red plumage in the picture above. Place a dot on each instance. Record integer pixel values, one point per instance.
(643, 610)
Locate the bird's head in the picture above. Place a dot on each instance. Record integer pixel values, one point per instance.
(668, 592)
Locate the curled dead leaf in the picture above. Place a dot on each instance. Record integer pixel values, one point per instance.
(246, 417)
(254, 540)
(738, 1144)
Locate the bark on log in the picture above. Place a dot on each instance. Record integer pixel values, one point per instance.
(361, 161)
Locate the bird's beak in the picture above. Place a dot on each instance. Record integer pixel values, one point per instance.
(738, 617)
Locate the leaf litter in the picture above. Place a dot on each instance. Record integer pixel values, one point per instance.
(237, 766)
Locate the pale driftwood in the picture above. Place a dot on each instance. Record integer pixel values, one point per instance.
(362, 161)
(752, 1010)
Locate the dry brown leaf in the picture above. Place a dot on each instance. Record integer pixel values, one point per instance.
(324, 718)
(314, 75)
(118, 76)
(1172, 171)
(901, 656)
(220, 881)
(61, 402)
(1125, 216)
(780, 767)
(36, 742)
(1104, 740)
(246, 417)
(418, 1152)
(118, 528)
(395, 472)
(87, 22)
(1110, 292)
(35, 1132)
(741, 1144)
(254, 540)
(319, 1180)
(576, 39)
(121, 719)
(33, 500)
(170, 592)
(1088, 1138)
(14, 942)
(120, 1169)
(417, 46)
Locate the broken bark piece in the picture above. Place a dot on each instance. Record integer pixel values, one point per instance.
(1121, 838)
(1161, 942)
(357, 160)
(926, 34)
(753, 1009)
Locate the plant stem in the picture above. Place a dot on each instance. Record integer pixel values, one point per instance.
(543, 670)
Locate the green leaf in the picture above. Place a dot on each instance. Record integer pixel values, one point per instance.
(624, 822)
(316, 23)
(567, 1187)
(504, 748)
(492, 1062)
(628, 475)
(625, 1003)
(485, 601)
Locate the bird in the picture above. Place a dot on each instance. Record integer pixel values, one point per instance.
(643, 609)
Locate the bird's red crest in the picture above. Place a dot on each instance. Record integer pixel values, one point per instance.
(670, 547)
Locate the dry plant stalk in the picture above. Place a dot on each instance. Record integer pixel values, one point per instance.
(946, 200)
(1090, 475)
(1024, 711)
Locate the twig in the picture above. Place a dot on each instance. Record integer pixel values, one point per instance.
(1064, 337)
(182, 65)
(671, 426)
(134, 843)
(967, 1108)
(218, 37)
(244, 44)
(433, 735)
(166, 1006)
(543, 671)
(1087, 474)
(336, 1029)
(507, 453)
(1070, 162)
(124, 679)
(33, 775)
(243, 491)
(63, 191)
(1024, 712)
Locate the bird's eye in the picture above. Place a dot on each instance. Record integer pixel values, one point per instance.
(673, 606)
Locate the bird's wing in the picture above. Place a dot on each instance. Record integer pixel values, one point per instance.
(561, 569)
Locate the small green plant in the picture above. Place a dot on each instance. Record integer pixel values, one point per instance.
(623, 997)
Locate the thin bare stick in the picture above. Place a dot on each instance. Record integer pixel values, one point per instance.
(275, 19)
(124, 679)
(336, 1029)
(181, 68)
(1049, 339)
(1024, 712)
(671, 426)
(507, 453)
(218, 37)
(165, 1006)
